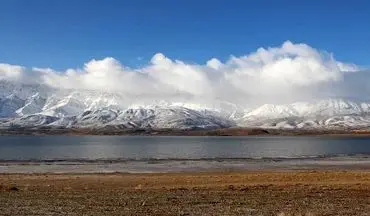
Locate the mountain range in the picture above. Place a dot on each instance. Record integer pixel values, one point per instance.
(31, 105)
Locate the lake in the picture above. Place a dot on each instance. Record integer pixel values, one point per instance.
(155, 147)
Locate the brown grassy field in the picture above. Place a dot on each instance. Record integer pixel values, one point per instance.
(211, 193)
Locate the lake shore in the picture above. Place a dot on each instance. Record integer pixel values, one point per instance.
(111, 131)
(339, 162)
(309, 192)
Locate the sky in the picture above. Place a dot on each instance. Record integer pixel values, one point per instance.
(66, 34)
(240, 51)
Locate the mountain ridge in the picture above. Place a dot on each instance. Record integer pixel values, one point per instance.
(27, 105)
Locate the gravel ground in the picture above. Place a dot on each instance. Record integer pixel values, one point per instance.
(209, 193)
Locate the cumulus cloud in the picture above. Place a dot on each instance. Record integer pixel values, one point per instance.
(291, 71)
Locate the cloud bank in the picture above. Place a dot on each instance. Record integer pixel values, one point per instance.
(289, 72)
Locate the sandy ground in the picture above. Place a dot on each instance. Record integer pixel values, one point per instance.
(208, 193)
(356, 162)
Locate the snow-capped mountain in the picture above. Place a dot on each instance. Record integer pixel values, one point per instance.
(328, 113)
(25, 105)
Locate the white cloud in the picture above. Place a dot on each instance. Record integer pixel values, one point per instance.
(348, 67)
(11, 72)
(290, 71)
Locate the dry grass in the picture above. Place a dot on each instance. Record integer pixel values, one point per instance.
(233, 193)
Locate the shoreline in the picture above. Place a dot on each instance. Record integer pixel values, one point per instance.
(300, 192)
(50, 131)
(360, 163)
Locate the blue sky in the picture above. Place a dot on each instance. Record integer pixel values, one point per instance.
(66, 34)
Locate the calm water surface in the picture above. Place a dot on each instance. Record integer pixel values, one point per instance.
(138, 148)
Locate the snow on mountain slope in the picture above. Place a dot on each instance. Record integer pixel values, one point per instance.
(9, 105)
(161, 117)
(34, 120)
(69, 105)
(35, 105)
(329, 113)
(26, 106)
(269, 111)
(32, 105)
(330, 107)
